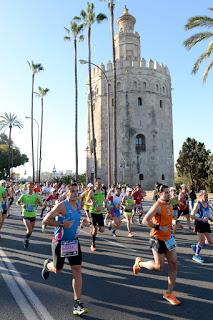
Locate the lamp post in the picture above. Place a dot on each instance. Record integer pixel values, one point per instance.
(123, 165)
(26, 117)
(54, 171)
(108, 118)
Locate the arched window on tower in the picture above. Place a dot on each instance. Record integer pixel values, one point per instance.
(144, 85)
(140, 102)
(140, 143)
(135, 85)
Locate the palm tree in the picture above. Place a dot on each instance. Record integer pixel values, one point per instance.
(42, 92)
(200, 21)
(89, 17)
(75, 33)
(9, 121)
(35, 68)
(111, 6)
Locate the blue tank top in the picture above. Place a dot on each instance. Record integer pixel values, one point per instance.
(71, 215)
(202, 211)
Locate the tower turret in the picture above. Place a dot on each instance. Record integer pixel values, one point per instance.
(127, 41)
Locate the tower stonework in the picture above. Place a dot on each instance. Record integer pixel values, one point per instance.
(144, 114)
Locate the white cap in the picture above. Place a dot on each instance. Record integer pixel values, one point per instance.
(128, 189)
(89, 185)
(2, 181)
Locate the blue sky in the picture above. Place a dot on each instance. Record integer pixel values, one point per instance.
(34, 30)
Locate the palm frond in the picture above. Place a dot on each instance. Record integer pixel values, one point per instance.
(81, 38)
(101, 17)
(206, 72)
(66, 38)
(198, 37)
(76, 18)
(67, 30)
(199, 21)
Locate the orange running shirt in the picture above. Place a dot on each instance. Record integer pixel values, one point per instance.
(163, 219)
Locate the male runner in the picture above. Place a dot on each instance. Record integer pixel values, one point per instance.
(65, 217)
(162, 242)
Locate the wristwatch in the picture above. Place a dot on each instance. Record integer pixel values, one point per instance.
(156, 226)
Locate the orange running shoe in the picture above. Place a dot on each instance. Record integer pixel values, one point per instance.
(136, 267)
(171, 298)
(93, 247)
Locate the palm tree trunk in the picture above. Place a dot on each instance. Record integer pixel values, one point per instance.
(41, 137)
(115, 91)
(76, 112)
(33, 163)
(9, 152)
(91, 103)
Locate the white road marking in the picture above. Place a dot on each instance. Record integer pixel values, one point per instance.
(15, 280)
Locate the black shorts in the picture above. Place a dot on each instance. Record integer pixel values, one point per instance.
(97, 219)
(183, 212)
(58, 261)
(202, 227)
(4, 211)
(32, 219)
(158, 245)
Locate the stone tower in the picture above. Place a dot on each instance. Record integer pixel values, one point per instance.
(144, 114)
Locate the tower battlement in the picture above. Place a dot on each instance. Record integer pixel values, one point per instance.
(139, 65)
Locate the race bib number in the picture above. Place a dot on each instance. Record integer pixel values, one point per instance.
(30, 207)
(170, 244)
(69, 248)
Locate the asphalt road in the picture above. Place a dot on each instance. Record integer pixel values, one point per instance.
(110, 290)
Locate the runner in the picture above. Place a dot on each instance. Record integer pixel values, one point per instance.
(128, 205)
(65, 217)
(114, 206)
(183, 207)
(86, 207)
(96, 200)
(138, 208)
(201, 215)
(159, 218)
(3, 203)
(28, 203)
(174, 203)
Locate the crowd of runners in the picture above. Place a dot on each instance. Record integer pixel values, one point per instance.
(73, 206)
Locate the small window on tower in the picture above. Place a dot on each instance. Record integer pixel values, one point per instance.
(140, 101)
(161, 103)
(144, 85)
(163, 177)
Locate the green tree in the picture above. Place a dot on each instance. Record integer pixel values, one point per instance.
(42, 92)
(9, 121)
(200, 21)
(74, 32)
(194, 163)
(18, 158)
(88, 18)
(210, 175)
(35, 68)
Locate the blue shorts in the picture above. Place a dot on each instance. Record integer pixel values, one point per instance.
(116, 213)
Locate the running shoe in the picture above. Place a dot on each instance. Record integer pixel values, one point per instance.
(171, 298)
(198, 259)
(79, 309)
(193, 246)
(114, 234)
(130, 235)
(26, 243)
(136, 267)
(93, 247)
(45, 272)
(43, 227)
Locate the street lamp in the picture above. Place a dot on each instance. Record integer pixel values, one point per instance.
(26, 117)
(108, 116)
(54, 171)
(123, 165)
